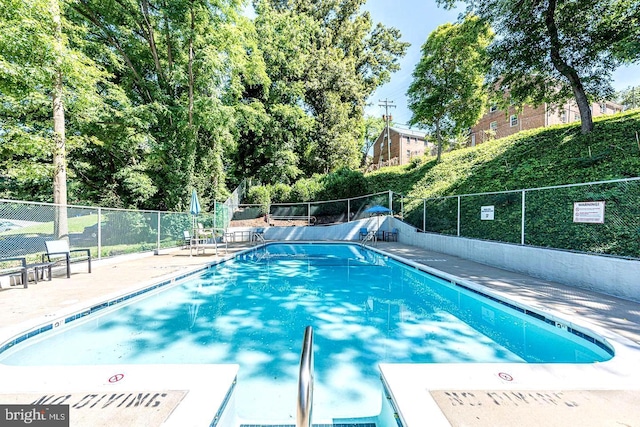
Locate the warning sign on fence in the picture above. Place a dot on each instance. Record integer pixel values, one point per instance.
(592, 212)
(486, 213)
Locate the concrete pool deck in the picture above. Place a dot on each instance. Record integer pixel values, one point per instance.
(444, 395)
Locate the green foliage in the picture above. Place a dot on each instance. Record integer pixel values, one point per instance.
(260, 195)
(447, 94)
(305, 190)
(550, 51)
(532, 159)
(629, 97)
(308, 47)
(342, 184)
(280, 192)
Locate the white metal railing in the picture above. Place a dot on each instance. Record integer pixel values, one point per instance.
(305, 381)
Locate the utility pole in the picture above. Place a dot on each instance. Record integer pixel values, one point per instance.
(387, 118)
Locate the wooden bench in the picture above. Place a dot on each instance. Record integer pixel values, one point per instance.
(58, 251)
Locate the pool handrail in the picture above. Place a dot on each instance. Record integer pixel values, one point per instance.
(305, 380)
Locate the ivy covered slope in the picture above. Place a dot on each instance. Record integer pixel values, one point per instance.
(537, 158)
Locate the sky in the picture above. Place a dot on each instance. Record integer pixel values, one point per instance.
(416, 19)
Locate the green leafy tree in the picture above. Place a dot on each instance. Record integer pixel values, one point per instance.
(372, 128)
(629, 97)
(325, 58)
(184, 65)
(447, 94)
(273, 127)
(550, 50)
(44, 76)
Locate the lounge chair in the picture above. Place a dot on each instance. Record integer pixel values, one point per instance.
(58, 251)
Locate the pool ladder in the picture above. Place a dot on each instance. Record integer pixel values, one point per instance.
(369, 237)
(305, 381)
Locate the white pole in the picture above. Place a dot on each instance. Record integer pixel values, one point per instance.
(523, 213)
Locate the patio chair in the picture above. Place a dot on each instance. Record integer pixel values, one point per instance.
(363, 233)
(186, 242)
(393, 235)
(58, 251)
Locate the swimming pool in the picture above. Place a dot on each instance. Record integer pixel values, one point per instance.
(366, 308)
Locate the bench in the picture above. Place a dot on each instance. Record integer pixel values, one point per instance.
(14, 266)
(58, 251)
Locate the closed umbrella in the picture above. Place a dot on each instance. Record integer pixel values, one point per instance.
(195, 206)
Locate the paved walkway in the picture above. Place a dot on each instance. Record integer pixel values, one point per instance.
(109, 276)
(615, 314)
(115, 276)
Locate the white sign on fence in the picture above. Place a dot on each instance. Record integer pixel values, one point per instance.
(592, 212)
(486, 213)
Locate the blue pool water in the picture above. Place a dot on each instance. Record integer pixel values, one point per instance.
(252, 310)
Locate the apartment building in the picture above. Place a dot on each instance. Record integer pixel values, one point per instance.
(404, 144)
(498, 123)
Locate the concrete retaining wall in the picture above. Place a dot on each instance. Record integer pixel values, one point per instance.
(613, 276)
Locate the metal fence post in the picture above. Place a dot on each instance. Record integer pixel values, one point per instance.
(524, 192)
(458, 216)
(158, 239)
(348, 210)
(99, 233)
(424, 215)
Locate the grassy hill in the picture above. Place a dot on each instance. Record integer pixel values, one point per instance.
(537, 158)
(532, 159)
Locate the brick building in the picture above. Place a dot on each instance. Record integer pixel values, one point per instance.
(405, 144)
(498, 123)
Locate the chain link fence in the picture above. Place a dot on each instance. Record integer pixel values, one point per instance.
(596, 217)
(25, 226)
(311, 213)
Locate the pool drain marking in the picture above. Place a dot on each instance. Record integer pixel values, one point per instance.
(505, 376)
(115, 378)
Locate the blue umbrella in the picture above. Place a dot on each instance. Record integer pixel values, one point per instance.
(377, 209)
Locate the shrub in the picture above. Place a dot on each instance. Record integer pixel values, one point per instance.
(344, 183)
(280, 193)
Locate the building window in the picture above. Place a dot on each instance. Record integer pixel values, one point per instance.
(563, 116)
(576, 117)
(493, 108)
(513, 120)
(473, 140)
(493, 126)
(603, 108)
(408, 154)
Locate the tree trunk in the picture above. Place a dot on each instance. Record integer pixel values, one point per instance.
(439, 139)
(566, 70)
(61, 227)
(191, 79)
